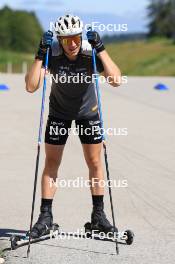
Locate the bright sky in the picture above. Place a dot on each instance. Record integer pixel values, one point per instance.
(128, 11)
(90, 6)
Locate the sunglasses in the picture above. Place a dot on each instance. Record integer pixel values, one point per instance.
(69, 40)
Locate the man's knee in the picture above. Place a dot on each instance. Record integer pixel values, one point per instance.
(94, 163)
(52, 164)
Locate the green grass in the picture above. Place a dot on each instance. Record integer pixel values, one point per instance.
(16, 58)
(1, 254)
(155, 57)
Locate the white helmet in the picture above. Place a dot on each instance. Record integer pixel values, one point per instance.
(68, 25)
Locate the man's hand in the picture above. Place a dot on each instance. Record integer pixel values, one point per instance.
(45, 42)
(95, 40)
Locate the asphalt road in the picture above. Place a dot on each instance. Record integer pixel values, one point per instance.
(145, 158)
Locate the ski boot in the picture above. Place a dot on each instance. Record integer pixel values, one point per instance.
(44, 224)
(100, 223)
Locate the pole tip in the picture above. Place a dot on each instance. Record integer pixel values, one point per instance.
(28, 253)
(117, 250)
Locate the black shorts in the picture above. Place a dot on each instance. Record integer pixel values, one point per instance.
(58, 130)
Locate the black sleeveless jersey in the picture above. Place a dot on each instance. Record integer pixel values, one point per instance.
(72, 94)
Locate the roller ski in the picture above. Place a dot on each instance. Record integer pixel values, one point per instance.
(43, 229)
(100, 228)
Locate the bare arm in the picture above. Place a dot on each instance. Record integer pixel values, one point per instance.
(111, 70)
(35, 76)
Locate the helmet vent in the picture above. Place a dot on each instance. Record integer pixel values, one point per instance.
(66, 23)
(73, 21)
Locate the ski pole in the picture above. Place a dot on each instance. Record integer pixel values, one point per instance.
(38, 147)
(103, 138)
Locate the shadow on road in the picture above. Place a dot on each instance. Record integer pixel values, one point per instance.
(5, 232)
(78, 249)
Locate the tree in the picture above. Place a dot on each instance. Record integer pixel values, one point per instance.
(19, 30)
(161, 14)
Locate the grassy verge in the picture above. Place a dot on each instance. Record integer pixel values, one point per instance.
(1, 254)
(16, 58)
(145, 58)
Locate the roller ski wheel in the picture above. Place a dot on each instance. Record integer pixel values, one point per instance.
(130, 237)
(14, 241)
(88, 230)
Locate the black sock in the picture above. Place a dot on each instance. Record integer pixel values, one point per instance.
(97, 200)
(46, 202)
